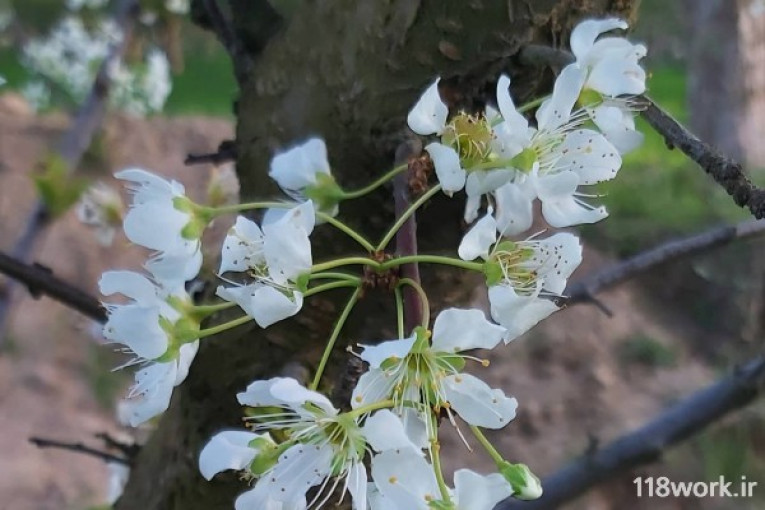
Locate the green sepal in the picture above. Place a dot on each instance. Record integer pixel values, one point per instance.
(326, 193)
(525, 160)
(301, 283)
(589, 97)
(525, 484)
(422, 342)
(440, 505)
(267, 457)
(451, 362)
(493, 272)
(57, 189)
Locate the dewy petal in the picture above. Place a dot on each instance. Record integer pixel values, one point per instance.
(479, 239)
(514, 203)
(298, 167)
(517, 314)
(589, 155)
(227, 450)
(357, 485)
(450, 174)
(128, 283)
(405, 479)
(477, 492)
(376, 354)
(373, 386)
(385, 431)
(584, 34)
(457, 330)
(618, 126)
(477, 403)
(557, 110)
(428, 116)
(243, 247)
(295, 395)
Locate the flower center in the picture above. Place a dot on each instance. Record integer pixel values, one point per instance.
(471, 137)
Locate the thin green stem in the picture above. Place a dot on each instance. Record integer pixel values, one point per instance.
(333, 337)
(330, 286)
(532, 104)
(342, 227)
(202, 311)
(383, 404)
(375, 184)
(435, 456)
(346, 261)
(244, 319)
(399, 311)
(333, 276)
(432, 259)
(407, 214)
(493, 453)
(423, 298)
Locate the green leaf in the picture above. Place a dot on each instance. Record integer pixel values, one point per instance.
(57, 189)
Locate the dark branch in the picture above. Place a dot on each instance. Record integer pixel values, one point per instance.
(648, 443)
(406, 237)
(129, 450)
(226, 152)
(78, 448)
(585, 289)
(724, 170)
(537, 55)
(224, 30)
(41, 280)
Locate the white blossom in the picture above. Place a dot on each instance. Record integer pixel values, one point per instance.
(275, 257)
(119, 472)
(101, 208)
(418, 371)
(523, 275)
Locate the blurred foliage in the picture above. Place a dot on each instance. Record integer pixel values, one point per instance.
(644, 350)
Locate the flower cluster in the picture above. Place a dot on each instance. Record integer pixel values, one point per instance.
(300, 448)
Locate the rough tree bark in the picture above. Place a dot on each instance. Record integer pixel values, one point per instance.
(347, 70)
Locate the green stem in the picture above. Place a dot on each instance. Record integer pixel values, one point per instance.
(342, 227)
(407, 214)
(432, 259)
(347, 261)
(435, 457)
(493, 453)
(333, 337)
(423, 298)
(532, 104)
(376, 184)
(383, 404)
(333, 276)
(223, 327)
(203, 311)
(329, 286)
(399, 311)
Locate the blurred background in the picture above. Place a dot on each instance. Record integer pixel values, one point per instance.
(581, 378)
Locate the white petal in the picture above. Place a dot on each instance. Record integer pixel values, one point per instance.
(450, 174)
(243, 247)
(259, 499)
(472, 205)
(557, 110)
(515, 120)
(373, 386)
(150, 186)
(154, 387)
(480, 182)
(297, 470)
(517, 314)
(477, 403)
(186, 354)
(263, 303)
(514, 208)
(287, 248)
(357, 485)
(474, 491)
(138, 328)
(428, 116)
(458, 330)
(616, 75)
(298, 167)
(588, 154)
(173, 269)
(618, 126)
(385, 431)
(128, 283)
(405, 479)
(258, 394)
(227, 450)
(554, 259)
(376, 354)
(156, 225)
(479, 239)
(118, 477)
(559, 206)
(295, 395)
(584, 34)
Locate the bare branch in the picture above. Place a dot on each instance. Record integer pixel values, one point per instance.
(585, 289)
(648, 443)
(41, 442)
(226, 152)
(130, 450)
(223, 28)
(724, 170)
(41, 280)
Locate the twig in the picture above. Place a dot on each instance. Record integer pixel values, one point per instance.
(406, 237)
(585, 289)
(228, 38)
(647, 443)
(41, 280)
(226, 152)
(725, 171)
(75, 142)
(78, 448)
(130, 450)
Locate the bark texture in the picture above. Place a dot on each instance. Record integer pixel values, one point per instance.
(346, 70)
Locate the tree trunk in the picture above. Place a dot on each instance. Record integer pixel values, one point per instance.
(346, 70)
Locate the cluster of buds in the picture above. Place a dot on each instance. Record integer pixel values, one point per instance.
(299, 448)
